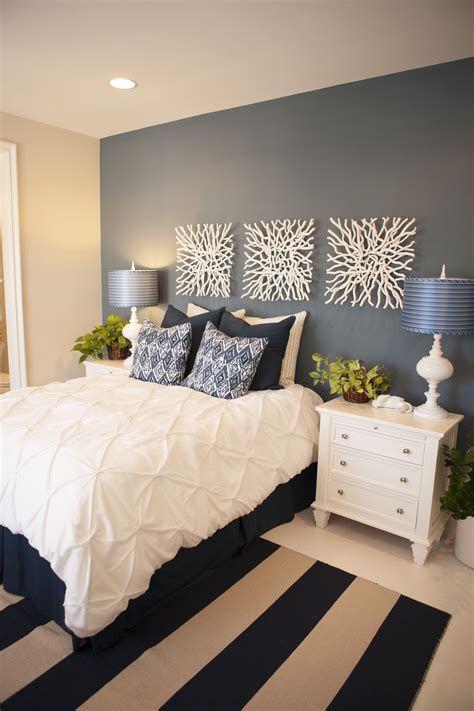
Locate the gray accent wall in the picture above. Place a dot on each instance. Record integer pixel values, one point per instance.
(398, 145)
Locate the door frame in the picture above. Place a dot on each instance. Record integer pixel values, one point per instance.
(12, 265)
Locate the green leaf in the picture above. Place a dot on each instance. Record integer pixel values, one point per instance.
(459, 498)
(343, 375)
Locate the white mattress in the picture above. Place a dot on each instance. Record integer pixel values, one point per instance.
(108, 477)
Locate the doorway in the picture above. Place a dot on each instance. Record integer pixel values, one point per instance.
(4, 371)
(13, 360)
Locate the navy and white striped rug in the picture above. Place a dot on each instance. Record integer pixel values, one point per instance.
(269, 630)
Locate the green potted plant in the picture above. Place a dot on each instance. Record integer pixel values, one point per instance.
(350, 378)
(108, 335)
(458, 499)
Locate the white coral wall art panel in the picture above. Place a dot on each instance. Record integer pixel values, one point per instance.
(204, 259)
(369, 260)
(278, 263)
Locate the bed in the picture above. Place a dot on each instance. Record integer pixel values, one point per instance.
(115, 493)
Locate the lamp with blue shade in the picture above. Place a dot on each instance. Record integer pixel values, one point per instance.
(133, 288)
(443, 307)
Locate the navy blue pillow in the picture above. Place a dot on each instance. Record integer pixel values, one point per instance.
(175, 317)
(268, 372)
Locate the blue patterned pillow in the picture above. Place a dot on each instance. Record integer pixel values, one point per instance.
(161, 353)
(225, 366)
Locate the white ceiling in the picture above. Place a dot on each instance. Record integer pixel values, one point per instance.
(191, 57)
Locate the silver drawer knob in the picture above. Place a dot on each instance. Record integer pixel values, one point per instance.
(406, 451)
(403, 479)
(340, 491)
(400, 511)
(342, 463)
(345, 436)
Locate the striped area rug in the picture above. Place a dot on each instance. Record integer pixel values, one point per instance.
(269, 630)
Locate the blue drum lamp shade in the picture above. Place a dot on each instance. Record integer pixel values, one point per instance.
(133, 287)
(443, 307)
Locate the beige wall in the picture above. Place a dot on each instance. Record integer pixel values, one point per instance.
(58, 176)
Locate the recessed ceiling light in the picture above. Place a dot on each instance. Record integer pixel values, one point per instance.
(122, 83)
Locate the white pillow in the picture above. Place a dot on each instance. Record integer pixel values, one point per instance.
(288, 367)
(195, 310)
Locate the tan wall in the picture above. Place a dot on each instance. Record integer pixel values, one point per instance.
(58, 176)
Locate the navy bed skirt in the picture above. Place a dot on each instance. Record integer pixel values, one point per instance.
(24, 572)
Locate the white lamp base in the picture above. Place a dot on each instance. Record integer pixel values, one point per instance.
(435, 412)
(128, 362)
(131, 331)
(434, 368)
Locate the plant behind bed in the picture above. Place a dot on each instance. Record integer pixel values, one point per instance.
(109, 336)
(350, 378)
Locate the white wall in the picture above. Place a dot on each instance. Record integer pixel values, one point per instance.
(3, 326)
(58, 174)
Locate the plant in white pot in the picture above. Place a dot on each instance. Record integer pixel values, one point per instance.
(459, 498)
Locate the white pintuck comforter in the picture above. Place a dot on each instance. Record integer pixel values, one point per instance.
(108, 477)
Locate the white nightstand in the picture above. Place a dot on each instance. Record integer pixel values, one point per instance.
(110, 367)
(385, 469)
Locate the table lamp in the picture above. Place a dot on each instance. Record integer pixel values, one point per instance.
(135, 288)
(443, 307)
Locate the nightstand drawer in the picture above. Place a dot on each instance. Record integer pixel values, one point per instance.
(376, 442)
(375, 469)
(369, 501)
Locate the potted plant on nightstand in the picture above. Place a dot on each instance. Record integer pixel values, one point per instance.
(459, 498)
(350, 378)
(108, 335)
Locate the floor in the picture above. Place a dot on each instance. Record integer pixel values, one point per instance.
(443, 582)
